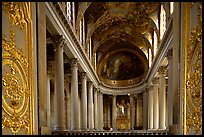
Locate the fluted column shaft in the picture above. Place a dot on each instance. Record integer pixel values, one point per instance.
(95, 109)
(145, 110)
(74, 95)
(84, 100)
(90, 106)
(132, 112)
(162, 97)
(59, 77)
(150, 108)
(155, 104)
(114, 112)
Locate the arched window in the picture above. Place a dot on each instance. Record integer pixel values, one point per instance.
(150, 57)
(162, 21)
(171, 7)
(69, 11)
(90, 48)
(155, 43)
(81, 31)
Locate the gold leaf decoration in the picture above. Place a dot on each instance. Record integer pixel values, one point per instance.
(17, 107)
(194, 77)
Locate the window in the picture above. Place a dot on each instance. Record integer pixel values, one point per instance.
(155, 43)
(162, 21)
(69, 11)
(81, 31)
(171, 7)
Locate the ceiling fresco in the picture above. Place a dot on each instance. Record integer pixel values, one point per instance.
(113, 26)
(122, 66)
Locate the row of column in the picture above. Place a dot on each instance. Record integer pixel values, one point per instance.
(157, 108)
(91, 116)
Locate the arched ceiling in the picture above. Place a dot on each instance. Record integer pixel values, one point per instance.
(110, 23)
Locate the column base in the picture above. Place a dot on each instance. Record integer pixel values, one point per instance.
(45, 131)
(173, 130)
(58, 128)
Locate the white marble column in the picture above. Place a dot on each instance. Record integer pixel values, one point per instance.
(101, 110)
(132, 112)
(169, 96)
(114, 112)
(162, 97)
(155, 103)
(95, 109)
(150, 107)
(74, 95)
(59, 77)
(84, 100)
(90, 106)
(145, 112)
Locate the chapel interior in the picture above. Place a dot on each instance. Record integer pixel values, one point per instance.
(101, 68)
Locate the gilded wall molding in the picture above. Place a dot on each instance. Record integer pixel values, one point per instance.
(17, 71)
(192, 78)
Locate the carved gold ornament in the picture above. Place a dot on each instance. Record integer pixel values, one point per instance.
(17, 12)
(17, 77)
(194, 78)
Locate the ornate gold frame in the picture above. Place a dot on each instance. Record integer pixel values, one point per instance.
(17, 68)
(192, 72)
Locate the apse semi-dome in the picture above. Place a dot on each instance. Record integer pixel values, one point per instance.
(122, 67)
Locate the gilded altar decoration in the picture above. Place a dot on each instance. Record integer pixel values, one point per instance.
(194, 77)
(123, 116)
(17, 96)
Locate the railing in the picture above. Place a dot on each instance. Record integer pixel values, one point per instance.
(133, 132)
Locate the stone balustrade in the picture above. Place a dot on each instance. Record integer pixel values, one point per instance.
(132, 132)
